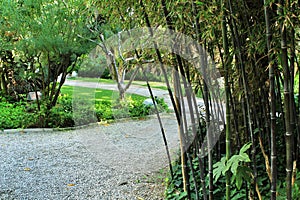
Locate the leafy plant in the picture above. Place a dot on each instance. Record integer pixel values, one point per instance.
(15, 115)
(103, 110)
(295, 189)
(235, 165)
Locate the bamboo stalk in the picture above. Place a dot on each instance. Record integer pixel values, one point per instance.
(161, 126)
(173, 100)
(273, 176)
(188, 92)
(246, 92)
(287, 111)
(159, 57)
(207, 114)
(183, 146)
(179, 100)
(227, 94)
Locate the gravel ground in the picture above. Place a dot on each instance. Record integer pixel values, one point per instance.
(115, 161)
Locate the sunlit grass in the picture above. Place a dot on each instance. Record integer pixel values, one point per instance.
(97, 94)
(157, 85)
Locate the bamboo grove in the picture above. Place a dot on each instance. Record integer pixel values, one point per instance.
(250, 123)
(255, 46)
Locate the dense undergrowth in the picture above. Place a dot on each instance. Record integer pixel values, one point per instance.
(239, 166)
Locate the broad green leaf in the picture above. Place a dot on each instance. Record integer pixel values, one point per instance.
(239, 179)
(245, 148)
(246, 171)
(244, 157)
(219, 168)
(234, 161)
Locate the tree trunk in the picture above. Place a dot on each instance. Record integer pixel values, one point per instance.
(3, 84)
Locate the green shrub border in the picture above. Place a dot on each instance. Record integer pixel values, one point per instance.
(24, 115)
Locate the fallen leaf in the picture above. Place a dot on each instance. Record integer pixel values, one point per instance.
(27, 169)
(71, 184)
(103, 123)
(30, 158)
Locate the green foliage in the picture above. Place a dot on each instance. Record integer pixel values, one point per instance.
(103, 110)
(94, 67)
(137, 109)
(295, 190)
(235, 164)
(41, 39)
(27, 115)
(174, 186)
(83, 112)
(134, 107)
(14, 115)
(61, 115)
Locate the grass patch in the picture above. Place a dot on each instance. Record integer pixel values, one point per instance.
(157, 85)
(97, 94)
(94, 80)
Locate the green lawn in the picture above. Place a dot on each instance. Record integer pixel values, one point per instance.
(157, 85)
(98, 94)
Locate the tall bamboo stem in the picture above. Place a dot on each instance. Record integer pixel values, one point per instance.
(173, 100)
(245, 84)
(161, 126)
(227, 93)
(272, 105)
(287, 103)
(182, 136)
(201, 161)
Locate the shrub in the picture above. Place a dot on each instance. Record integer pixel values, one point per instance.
(103, 110)
(138, 109)
(26, 114)
(83, 112)
(15, 115)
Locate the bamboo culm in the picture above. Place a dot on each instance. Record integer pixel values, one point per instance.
(272, 104)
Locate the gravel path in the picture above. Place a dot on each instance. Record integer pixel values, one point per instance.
(114, 161)
(110, 161)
